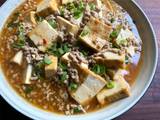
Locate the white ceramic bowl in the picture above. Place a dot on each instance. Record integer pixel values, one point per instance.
(142, 83)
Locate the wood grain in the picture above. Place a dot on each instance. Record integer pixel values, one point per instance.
(148, 108)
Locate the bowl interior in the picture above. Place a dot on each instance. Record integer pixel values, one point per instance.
(138, 89)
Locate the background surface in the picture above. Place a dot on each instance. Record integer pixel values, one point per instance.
(148, 108)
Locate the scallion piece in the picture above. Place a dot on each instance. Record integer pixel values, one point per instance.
(110, 84)
(73, 86)
(47, 61)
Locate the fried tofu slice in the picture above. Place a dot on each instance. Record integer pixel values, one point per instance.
(111, 59)
(121, 90)
(18, 58)
(93, 81)
(89, 88)
(95, 34)
(51, 68)
(43, 35)
(46, 7)
(69, 26)
(99, 28)
(83, 95)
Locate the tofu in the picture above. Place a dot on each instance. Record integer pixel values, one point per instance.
(89, 88)
(43, 35)
(46, 7)
(120, 73)
(93, 42)
(18, 58)
(120, 90)
(111, 59)
(99, 28)
(116, 72)
(108, 5)
(51, 68)
(66, 1)
(65, 57)
(83, 95)
(94, 82)
(69, 26)
(95, 34)
(32, 17)
(131, 50)
(98, 3)
(28, 74)
(123, 36)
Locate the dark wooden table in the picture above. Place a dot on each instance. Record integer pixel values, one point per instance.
(148, 108)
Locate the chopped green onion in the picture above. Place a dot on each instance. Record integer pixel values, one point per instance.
(18, 44)
(28, 89)
(81, 5)
(39, 70)
(71, 6)
(64, 76)
(62, 10)
(73, 86)
(12, 22)
(112, 20)
(85, 53)
(66, 48)
(63, 66)
(21, 38)
(78, 14)
(47, 61)
(110, 84)
(52, 23)
(122, 42)
(85, 32)
(77, 110)
(126, 59)
(39, 18)
(76, 9)
(92, 6)
(99, 69)
(59, 49)
(114, 34)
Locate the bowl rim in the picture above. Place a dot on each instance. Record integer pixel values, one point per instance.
(24, 112)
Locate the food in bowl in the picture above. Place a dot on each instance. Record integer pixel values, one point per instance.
(70, 56)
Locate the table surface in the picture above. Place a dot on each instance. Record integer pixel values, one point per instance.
(148, 108)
